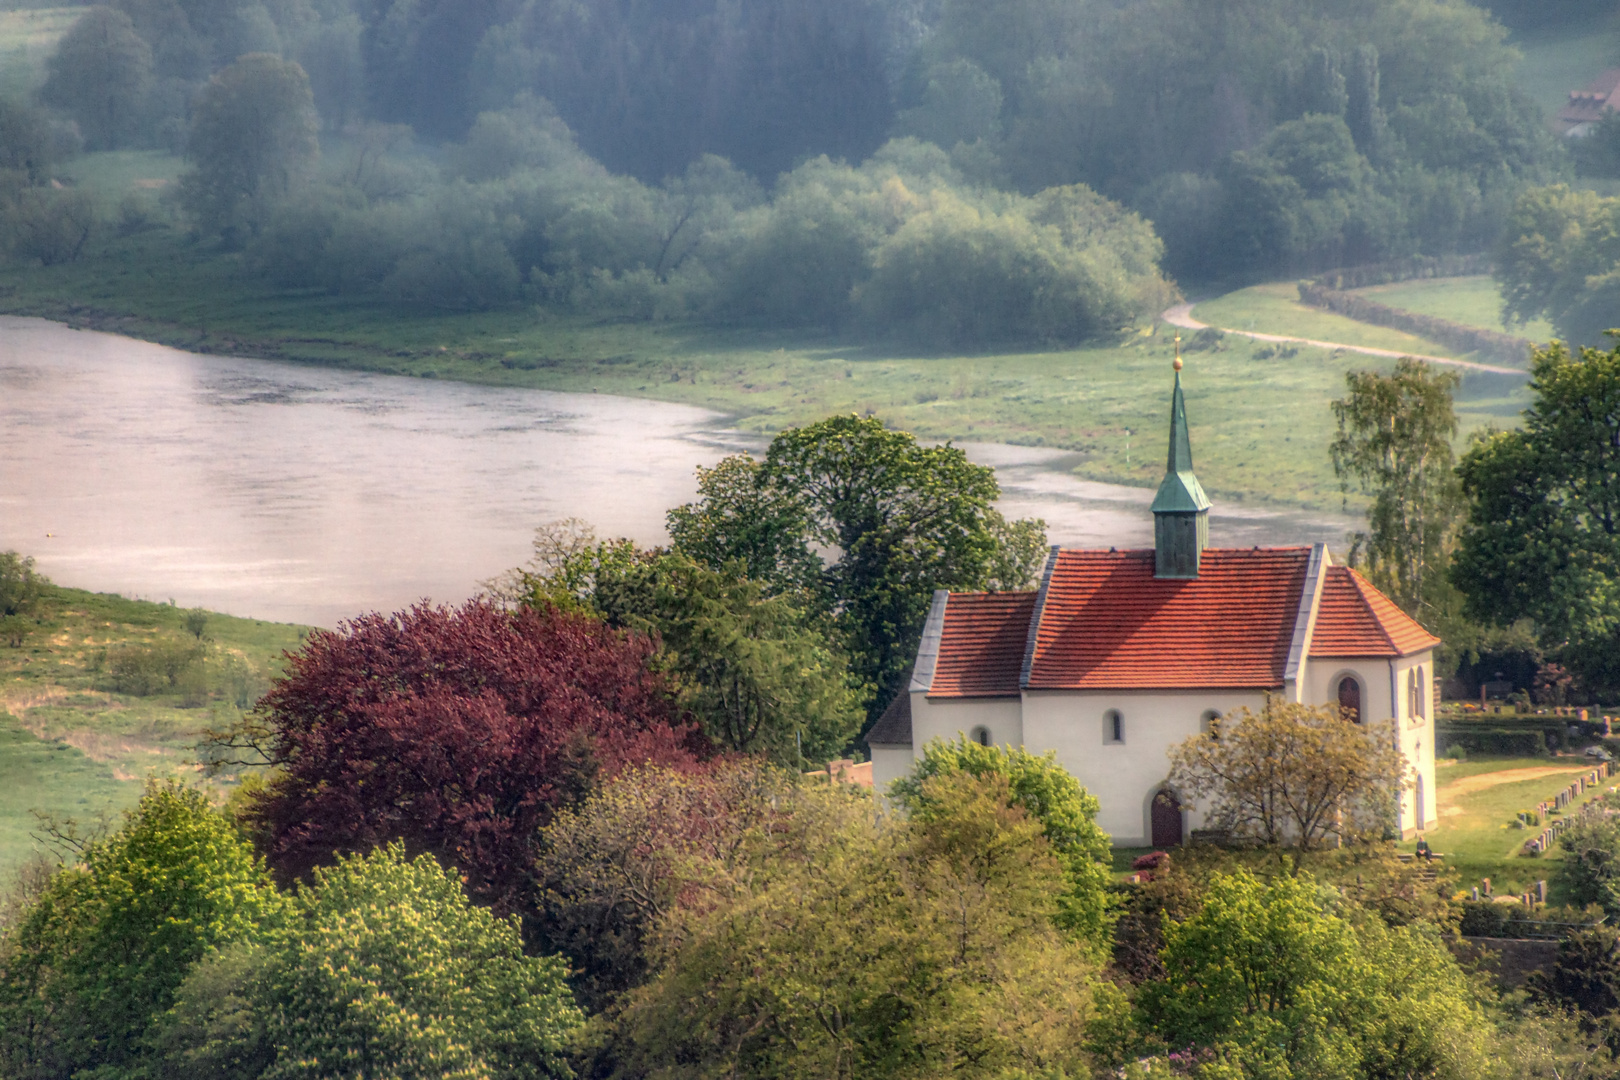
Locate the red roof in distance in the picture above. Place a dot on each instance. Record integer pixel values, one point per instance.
(981, 651)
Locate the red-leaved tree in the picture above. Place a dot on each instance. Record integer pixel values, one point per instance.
(459, 731)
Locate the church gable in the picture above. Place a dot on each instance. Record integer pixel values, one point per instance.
(1355, 619)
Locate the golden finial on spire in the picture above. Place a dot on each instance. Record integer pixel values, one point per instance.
(1178, 350)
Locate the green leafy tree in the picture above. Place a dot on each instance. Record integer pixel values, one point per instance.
(742, 516)
(755, 669)
(1558, 256)
(26, 146)
(614, 868)
(101, 952)
(1394, 442)
(20, 584)
(384, 968)
(1271, 985)
(1591, 870)
(253, 141)
(864, 945)
(904, 519)
(1067, 814)
(48, 225)
(1586, 974)
(100, 75)
(1293, 774)
(1542, 536)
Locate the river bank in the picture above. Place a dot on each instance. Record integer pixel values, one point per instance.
(308, 494)
(1261, 424)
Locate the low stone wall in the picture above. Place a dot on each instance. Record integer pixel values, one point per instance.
(1500, 348)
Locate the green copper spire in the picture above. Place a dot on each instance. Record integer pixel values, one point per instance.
(1180, 490)
(1180, 509)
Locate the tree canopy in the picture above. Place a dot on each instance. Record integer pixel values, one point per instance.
(458, 731)
(1542, 536)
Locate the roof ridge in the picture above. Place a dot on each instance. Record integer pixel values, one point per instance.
(1035, 614)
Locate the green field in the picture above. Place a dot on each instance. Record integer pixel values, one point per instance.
(1472, 301)
(114, 175)
(1274, 308)
(75, 741)
(1477, 800)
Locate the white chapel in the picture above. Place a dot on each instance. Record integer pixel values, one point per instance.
(1120, 654)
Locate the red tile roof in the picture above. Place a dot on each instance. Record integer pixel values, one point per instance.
(1355, 619)
(1589, 105)
(1108, 623)
(981, 649)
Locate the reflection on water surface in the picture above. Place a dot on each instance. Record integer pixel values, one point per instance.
(305, 494)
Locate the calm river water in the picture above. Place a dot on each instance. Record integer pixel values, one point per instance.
(302, 494)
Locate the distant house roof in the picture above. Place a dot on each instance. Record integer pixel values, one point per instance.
(1103, 621)
(1355, 619)
(981, 649)
(1588, 105)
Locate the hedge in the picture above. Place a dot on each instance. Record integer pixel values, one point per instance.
(1503, 348)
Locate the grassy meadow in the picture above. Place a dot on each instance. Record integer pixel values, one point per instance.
(107, 692)
(1472, 301)
(1476, 801)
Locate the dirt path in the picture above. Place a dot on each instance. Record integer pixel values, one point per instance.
(1469, 785)
(1181, 315)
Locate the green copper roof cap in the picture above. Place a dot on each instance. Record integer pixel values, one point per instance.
(1179, 492)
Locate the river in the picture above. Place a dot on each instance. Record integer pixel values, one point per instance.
(305, 494)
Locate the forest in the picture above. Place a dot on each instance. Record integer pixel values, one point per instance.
(865, 166)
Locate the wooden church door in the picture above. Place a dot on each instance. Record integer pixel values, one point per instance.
(1166, 820)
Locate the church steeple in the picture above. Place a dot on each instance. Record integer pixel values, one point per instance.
(1180, 509)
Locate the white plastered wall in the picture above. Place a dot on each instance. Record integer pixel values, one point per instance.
(1383, 695)
(1125, 775)
(952, 718)
(889, 763)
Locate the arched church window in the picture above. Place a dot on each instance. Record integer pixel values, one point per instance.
(1350, 698)
(980, 735)
(1113, 726)
(1209, 724)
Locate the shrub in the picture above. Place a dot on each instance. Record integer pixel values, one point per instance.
(19, 584)
(99, 955)
(458, 731)
(144, 670)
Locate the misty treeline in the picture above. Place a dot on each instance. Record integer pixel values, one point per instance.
(851, 164)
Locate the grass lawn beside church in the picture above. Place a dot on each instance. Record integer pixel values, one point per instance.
(1476, 802)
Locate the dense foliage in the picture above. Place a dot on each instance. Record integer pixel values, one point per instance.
(1067, 814)
(1542, 537)
(1271, 984)
(864, 945)
(949, 174)
(381, 968)
(99, 955)
(1394, 442)
(1557, 258)
(458, 731)
(901, 520)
